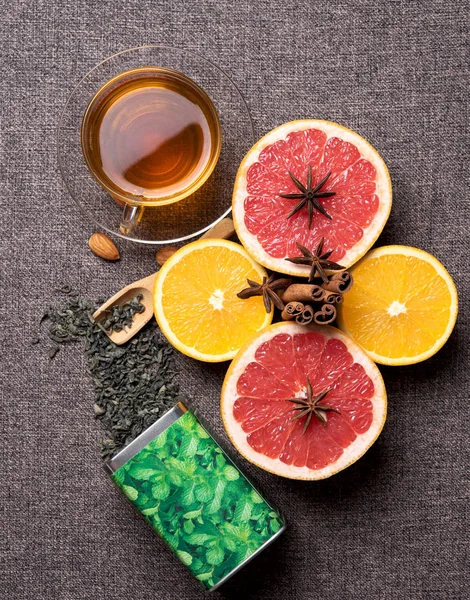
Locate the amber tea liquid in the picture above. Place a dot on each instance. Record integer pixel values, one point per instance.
(151, 136)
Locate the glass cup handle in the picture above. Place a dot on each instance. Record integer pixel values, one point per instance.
(131, 215)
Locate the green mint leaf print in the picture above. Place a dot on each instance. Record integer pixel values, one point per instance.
(161, 490)
(215, 503)
(187, 495)
(230, 543)
(119, 476)
(232, 530)
(215, 555)
(160, 441)
(197, 500)
(201, 432)
(142, 473)
(175, 478)
(188, 526)
(151, 511)
(184, 557)
(189, 445)
(189, 466)
(275, 525)
(231, 473)
(197, 564)
(172, 540)
(242, 510)
(192, 514)
(130, 492)
(244, 532)
(243, 554)
(198, 539)
(256, 497)
(220, 461)
(204, 493)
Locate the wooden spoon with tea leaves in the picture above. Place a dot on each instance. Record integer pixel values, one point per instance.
(144, 287)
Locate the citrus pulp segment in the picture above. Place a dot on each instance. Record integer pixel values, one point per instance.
(359, 207)
(402, 307)
(274, 368)
(196, 303)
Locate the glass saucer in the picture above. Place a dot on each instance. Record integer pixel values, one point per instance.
(173, 222)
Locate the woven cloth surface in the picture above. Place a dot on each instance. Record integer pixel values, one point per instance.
(391, 527)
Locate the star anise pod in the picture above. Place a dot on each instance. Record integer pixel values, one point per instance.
(318, 261)
(268, 290)
(311, 406)
(308, 195)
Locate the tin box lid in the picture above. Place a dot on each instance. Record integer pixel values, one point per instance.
(145, 438)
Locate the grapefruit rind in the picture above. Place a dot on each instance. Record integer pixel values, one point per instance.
(371, 233)
(350, 454)
(441, 270)
(160, 317)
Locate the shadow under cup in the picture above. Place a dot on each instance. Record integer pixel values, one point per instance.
(150, 136)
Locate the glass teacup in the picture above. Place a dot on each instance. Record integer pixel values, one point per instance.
(150, 136)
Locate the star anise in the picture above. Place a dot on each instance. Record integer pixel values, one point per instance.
(308, 195)
(311, 406)
(267, 289)
(318, 261)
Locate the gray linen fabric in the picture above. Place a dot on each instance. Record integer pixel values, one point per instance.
(393, 526)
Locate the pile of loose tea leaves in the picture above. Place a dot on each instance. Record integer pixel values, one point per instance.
(134, 383)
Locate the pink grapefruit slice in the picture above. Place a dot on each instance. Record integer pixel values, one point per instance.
(269, 378)
(358, 209)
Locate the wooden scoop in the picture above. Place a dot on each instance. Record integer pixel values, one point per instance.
(143, 286)
(223, 229)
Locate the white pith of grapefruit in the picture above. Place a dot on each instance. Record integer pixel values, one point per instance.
(273, 366)
(360, 208)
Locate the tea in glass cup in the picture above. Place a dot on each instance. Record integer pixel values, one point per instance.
(150, 136)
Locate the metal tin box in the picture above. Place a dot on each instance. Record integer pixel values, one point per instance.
(195, 497)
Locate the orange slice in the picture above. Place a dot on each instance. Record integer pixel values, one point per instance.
(196, 303)
(402, 307)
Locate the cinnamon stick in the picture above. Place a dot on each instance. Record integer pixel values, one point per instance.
(339, 282)
(306, 316)
(302, 292)
(292, 310)
(326, 315)
(331, 297)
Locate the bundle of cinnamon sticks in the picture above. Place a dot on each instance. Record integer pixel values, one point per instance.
(307, 302)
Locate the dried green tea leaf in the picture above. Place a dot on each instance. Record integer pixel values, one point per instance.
(134, 384)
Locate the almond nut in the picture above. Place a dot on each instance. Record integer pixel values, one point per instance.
(103, 246)
(164, 254)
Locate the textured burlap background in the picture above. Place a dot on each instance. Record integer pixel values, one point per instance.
(393, 526)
